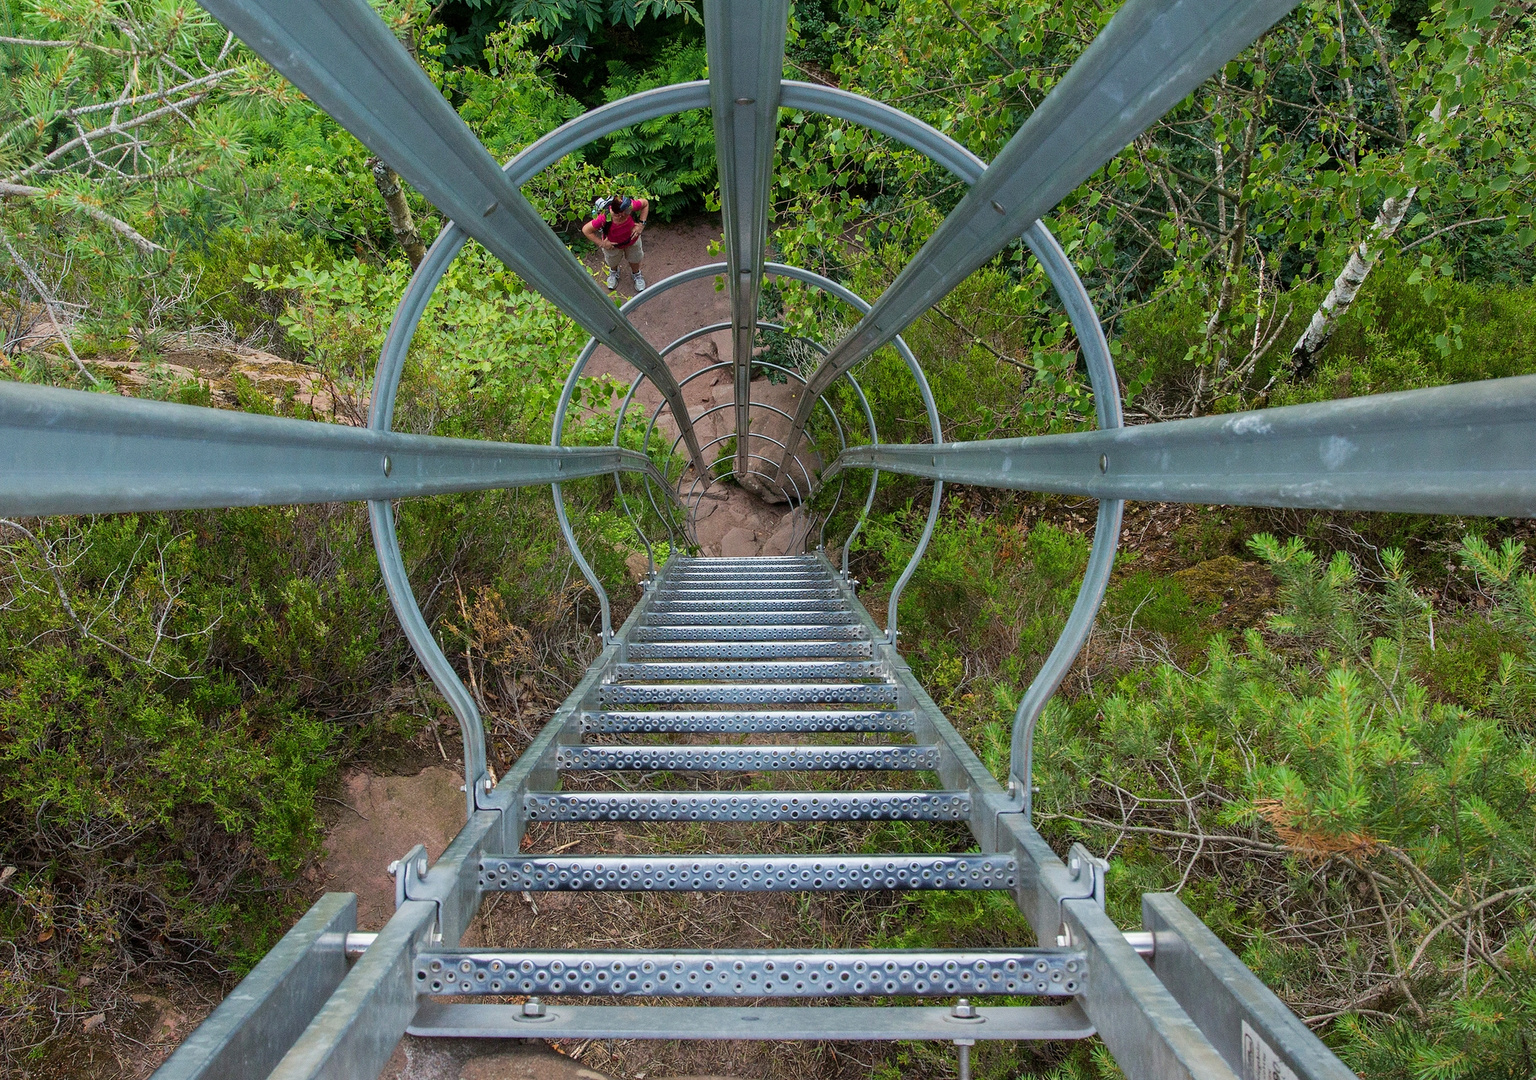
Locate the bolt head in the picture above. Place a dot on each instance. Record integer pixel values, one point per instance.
(421, 867)
(1075, 865)
(394, 868)
(489, 784)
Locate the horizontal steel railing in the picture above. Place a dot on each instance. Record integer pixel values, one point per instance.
(1461, 449)
(71, 452)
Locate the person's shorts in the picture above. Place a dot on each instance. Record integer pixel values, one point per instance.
(634, 253)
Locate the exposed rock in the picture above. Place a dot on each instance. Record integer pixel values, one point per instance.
(221, 368)
(387, 816)
(739, 543)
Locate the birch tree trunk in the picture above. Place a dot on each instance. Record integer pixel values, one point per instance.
(400, 220)
(1346, 286)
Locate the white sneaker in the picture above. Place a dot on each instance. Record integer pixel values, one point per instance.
(613, 279)
(639, 283)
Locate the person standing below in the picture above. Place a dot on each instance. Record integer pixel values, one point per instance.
(616, 231)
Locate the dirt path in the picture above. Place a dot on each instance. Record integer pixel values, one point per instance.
(730, 521)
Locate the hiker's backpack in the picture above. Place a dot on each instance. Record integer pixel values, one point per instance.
(600, 207)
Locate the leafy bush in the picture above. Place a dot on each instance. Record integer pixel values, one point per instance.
(671, 159)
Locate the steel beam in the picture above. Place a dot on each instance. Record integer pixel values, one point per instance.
(1152, 53)
(70, 452)
(1243, 1019)
(1461, 449)
(840, 1022)
(357, 1029)
(744, 40)
(256, 1024)
(343, 57)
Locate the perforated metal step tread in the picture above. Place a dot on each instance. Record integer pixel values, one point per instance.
(745, 873)
(756, 973)
(786, 721)
(647, 632)
(748, 694)
(764, 670)
(809, 648)
(747, 806)
(746, 758)
(755, 619)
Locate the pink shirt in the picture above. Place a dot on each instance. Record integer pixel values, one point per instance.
(621, 231)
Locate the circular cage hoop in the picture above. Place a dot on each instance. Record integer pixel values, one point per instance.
(808, 97)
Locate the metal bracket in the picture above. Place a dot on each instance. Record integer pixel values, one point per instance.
(410, 874)
(1088, 871)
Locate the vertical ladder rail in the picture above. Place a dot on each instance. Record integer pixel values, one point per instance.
(745, 44)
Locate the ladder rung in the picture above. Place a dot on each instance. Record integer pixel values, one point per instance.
(639, 723)
(745, 559)
(745, 670)
(658, 619)
(748, 650)
(809, 632)
(747, 806)
(755, 591)
(754, 973)
(745, 873)
(748, 694)
(790, 578)
(800, 607)
(747, 758)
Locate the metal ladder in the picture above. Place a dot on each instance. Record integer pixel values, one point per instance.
(721, 648)
(765, 646)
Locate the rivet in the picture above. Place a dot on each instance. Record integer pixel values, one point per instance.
(388, 465)
(997, 206)
(1103, 463)
(489, 210)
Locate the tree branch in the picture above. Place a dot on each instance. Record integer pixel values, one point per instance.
(117, 225)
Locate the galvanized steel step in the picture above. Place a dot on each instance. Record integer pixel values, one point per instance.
(746, 591)
(749, 650)
(746, 758)
(744, 873)
(747, 670)
(810, 632)
(697, 722)
(747, 694)
(680, 603)
(754, 973)
(753, 619)
(747, 806)
(755, 580)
